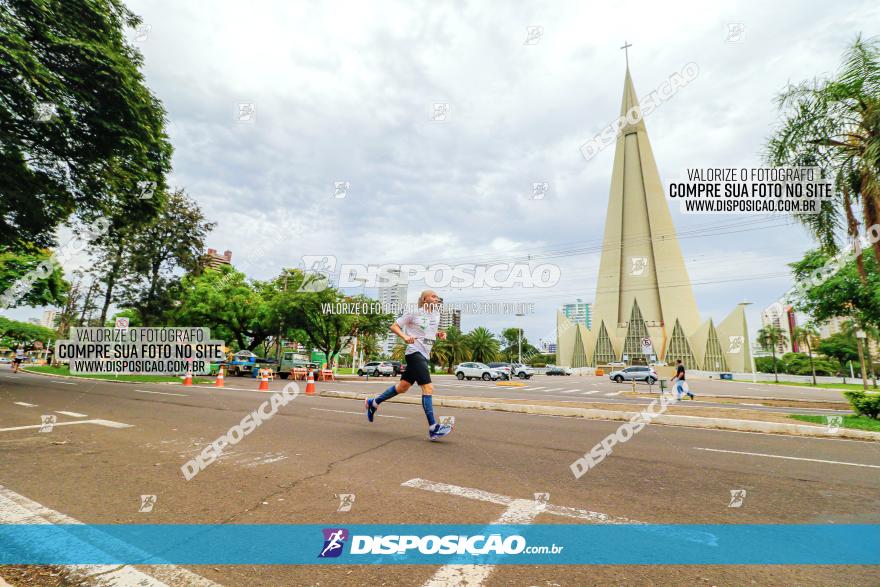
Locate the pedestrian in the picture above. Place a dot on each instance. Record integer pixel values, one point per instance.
(418, 329)
(681, 385)
(20, 356)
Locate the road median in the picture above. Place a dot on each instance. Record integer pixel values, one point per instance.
(754, 421)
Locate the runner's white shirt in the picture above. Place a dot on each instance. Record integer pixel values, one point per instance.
(423, 326)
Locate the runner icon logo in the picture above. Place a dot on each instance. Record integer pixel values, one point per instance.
(334, 541)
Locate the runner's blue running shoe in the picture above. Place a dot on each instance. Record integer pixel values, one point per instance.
(371, 409)
(439, 431)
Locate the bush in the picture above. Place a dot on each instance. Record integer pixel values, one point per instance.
(864, 404)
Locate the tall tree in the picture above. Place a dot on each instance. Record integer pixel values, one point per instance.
(79, 130)
(174, 241)
(454, 349)
(236, 309)
(808, 335)
(482, 344)
(769, 337)
(29, 277)
(834, 124)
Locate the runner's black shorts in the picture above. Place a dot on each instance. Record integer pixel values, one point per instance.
(417, 370)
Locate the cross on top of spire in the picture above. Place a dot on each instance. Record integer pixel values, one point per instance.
(625, 48)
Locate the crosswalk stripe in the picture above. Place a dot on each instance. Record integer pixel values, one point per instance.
(591, 392)
(613, 393)
(569, 390)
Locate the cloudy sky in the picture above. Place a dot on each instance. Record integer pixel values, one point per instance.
(345, 92)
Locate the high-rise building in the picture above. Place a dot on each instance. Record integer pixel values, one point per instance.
(578, 312)
(450, 317)
(215, 259)
(784, 318)
(392, 298)
(644, 308)
(49, 318)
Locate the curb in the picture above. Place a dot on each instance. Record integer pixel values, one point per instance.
(111, 380)
(669, 420)
(758, 398)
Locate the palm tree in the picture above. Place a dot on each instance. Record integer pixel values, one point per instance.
(834, 124)
(808, 335)
(453, 350)
(768, 338)
(398, 352)
(369, 345)
(482, 344)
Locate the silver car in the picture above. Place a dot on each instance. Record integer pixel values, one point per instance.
(478, 371)
(637, 373)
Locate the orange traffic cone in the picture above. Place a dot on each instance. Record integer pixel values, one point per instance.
(219, 381)
(264, 382)
(310, 385)
(188, 378)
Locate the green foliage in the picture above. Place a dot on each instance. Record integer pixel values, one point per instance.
(840, 347)
(483, 345)
(797, 364)
(237, 310)
(864, 404)
(834, 124)
(16, 270)
(14, 333)
(174, 240)
(843, 293)
(451, 351)
(103, 132)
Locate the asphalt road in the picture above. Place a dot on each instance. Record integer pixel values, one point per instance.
(293, 468)
(601, 390)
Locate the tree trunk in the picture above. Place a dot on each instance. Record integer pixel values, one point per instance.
(111, 283)
(812, 368)
(773, 353)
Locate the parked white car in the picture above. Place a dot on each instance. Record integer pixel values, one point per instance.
(478, 371)
(522, 371)
(376, 368)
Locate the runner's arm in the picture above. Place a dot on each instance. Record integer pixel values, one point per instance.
(395, 328)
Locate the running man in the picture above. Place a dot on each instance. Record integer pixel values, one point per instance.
(681, 385)
(418, 330)
(20, 356)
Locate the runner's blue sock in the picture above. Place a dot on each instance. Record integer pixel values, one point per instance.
(387, 394)
(428, 405)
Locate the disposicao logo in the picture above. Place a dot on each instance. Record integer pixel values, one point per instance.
(334, 541)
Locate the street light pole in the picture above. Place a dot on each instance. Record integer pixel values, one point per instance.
(519, 340)
(748, 344)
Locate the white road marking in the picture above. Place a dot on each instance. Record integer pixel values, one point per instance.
(569, 390)
(72, 414)
(159, 392)
(25, 404)
(591, 392)
(537, 388)
(12, 376)
(758, 454)
(519, 511)
(613, 393)
(107, 423)
(62, 382)
(358, 413)
(17, 509)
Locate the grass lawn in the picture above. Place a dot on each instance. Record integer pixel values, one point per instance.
(850, 386)
(856, 422)
(65, 370)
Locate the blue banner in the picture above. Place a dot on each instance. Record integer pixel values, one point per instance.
(357, 544)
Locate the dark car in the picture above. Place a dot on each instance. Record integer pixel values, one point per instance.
(554, 370)
(398, 367)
